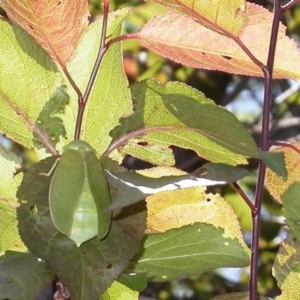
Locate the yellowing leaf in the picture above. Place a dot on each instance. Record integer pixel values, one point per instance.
(119, 291)
(175, 209)
(184, 40)
(286, 269)
(9, 183)
(274, 183)
(291, 209)
(55, 25)
(30, 86)
(157, 172)
(227, 14)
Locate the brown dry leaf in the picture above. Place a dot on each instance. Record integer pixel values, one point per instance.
(56, 25)
(227, 14)
(175, 209)
(275, 184)
(183, 40)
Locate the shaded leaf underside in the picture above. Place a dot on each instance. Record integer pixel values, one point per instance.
(181, 116)
(190, 251)
(87, 270)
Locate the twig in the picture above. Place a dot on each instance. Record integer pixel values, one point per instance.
(286, 144)
(72, 82)
(286, 94)
(265, 143)
(239, 190)
(223, 32)
(82, 101)
(289, 5)
(45, 140)
(134, 134)
(235, 92)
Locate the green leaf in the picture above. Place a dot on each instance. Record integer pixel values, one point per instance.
(90, 269)
(291, 208)
(120, 291)
(132, 187)
(23, 277)
(136, 282)
(9, 183)
(29, 85)
(240, 208)
(9, 235)
(110, 98)
(182, 116)
(221, 172)
(275, 161)
(188, 251)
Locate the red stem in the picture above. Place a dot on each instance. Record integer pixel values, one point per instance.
(286, 144)
(82, 101)
(289, 5)
(265, 143)
(72, 82)
(239, 190)
(134, 134)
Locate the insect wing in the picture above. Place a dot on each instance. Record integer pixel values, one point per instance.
(100, 190)
(72, 206)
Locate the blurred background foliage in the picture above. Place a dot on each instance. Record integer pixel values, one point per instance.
(243, 97)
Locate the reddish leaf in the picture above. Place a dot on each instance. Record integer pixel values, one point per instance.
(216, 14)
(182, 39)
(55, 25)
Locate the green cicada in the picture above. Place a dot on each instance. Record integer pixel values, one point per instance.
(79, 194)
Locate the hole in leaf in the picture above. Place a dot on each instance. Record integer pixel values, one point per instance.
(143, 143)
(134, 104)
(109, 266)
(33, 209)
